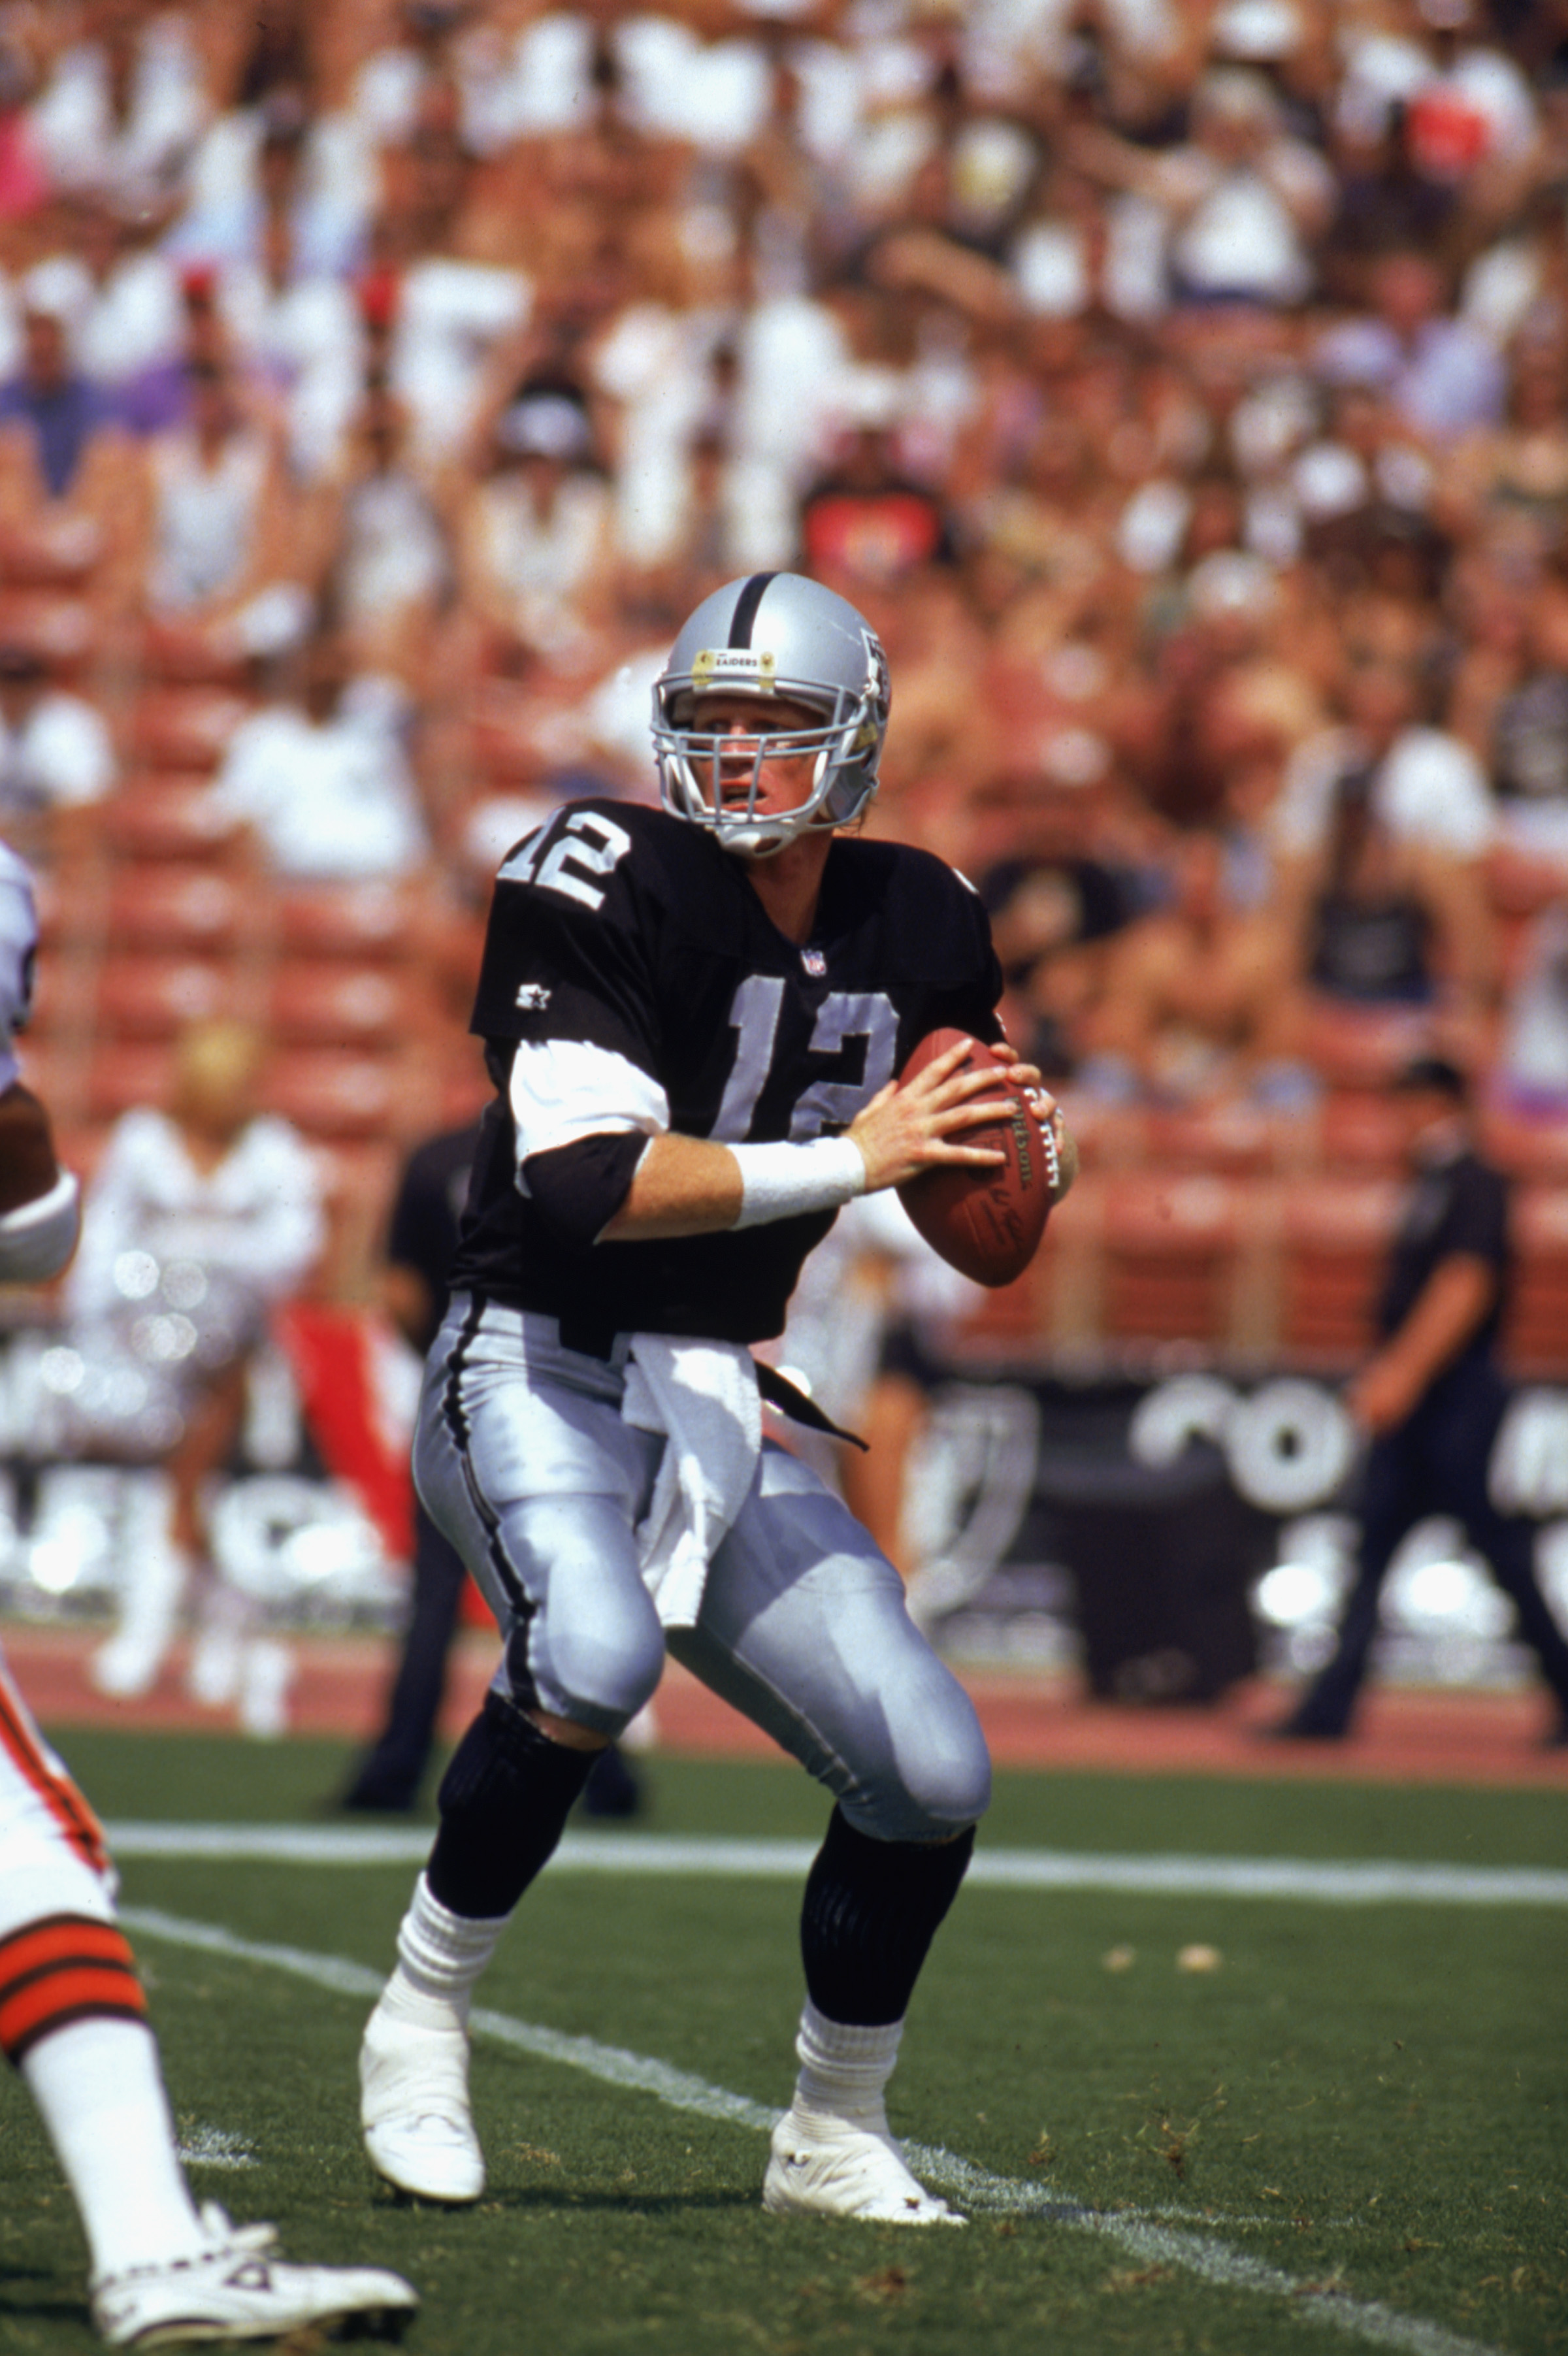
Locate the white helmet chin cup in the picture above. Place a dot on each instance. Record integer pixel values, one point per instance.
(774, 635)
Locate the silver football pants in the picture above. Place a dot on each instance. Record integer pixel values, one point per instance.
(523, 1460)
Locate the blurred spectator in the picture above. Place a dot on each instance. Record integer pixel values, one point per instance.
(1511, 705)
(1053, 922)
(196, 1221)
(1531, 1068)
(422, 1241)
(220, 526)
(321, 778)
(537, 543)
(123, 106)
(275, 207)
(119, 297)
(55, 412)
(390, 573)
(57, 758)
(1441, 377)
(1427, 787)
(1382, 827)
(1372, 927)
(1242, 201)
(1200, 998)
(866, 523)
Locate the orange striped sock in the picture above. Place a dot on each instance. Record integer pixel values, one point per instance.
(63, 1968)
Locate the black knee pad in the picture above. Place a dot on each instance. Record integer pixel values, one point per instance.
(872, 1909)
(504, 1800)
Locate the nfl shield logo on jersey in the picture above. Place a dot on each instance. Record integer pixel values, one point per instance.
(815, 963)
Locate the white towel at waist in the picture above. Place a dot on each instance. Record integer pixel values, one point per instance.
(703, 1397)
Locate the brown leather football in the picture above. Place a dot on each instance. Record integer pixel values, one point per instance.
(986, 1223)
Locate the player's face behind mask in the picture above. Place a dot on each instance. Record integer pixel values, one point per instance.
(757, 761)
(769, 717)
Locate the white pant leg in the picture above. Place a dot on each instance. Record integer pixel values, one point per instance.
(803, 1628)
(524, 1465)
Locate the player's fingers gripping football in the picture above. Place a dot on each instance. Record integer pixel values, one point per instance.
(1029, 1081)
(914, 1125)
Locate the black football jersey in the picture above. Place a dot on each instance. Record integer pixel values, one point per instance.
(629, 930)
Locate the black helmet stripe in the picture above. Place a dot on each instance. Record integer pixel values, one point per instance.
(746, 605)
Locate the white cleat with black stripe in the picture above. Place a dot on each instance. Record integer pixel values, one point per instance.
(238, 2288)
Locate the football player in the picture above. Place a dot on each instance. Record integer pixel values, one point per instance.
(693, 1017)
(72, 2014)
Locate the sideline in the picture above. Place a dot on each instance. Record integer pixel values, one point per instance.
(1151, 2243)
(1344, 1882)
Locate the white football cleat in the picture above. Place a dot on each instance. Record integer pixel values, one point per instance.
(238, 2289)
(414, 2108)
(829, 2167)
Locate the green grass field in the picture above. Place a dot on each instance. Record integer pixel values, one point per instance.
(1352, 2131)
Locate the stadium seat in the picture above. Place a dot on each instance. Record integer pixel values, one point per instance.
(63, 629)
(1230, 1136)
(154, 996)
(337, 1097)
(165, 815)
(173, 655)
(1354, 1046)
(1168, 1249)
(176, 907)
(1331, 1236)
(1535, 1333)
(183, 727)
(45, 551)
(325, 1003)
(361, 921)
(1358, 1130)
(1525, 1145)
(124, 1075)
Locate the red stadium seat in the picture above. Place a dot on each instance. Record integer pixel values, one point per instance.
(1363, 1046)
(124, 1075)
(1332, 1237)
(155, 997)
(165, 816)
(363, 921)
(183, 727)
(323, 1003)
(1169, 1254)
(338, 1096)
(175, 907)
(1358, 1129)
(1535, 1333)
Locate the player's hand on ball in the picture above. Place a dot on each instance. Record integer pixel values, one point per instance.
(918, 1124)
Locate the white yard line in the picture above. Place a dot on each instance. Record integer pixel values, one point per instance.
(1144, 2239)
(1342, 1882)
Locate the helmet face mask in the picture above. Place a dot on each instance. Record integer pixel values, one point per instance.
(772, 639)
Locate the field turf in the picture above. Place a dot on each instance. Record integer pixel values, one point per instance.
(1350, 2130)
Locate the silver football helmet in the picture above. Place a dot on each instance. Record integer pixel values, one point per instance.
(773, 633)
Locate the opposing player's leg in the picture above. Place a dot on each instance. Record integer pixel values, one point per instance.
(803, 1627)
(73, 2024)
(523, 1460)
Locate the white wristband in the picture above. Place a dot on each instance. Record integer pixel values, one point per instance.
(781, 1182)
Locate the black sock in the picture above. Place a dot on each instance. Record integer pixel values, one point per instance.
(872, 1909)
(504, 1800)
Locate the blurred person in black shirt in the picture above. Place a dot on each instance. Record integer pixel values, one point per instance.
(1430, 1397)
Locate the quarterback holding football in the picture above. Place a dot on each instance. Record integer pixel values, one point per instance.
(696, 1018)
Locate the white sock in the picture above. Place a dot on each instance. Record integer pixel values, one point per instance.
(439, 1958)
(844, 2071)
(100, 2090)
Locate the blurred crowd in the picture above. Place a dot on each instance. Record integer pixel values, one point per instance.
(1177, 385)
